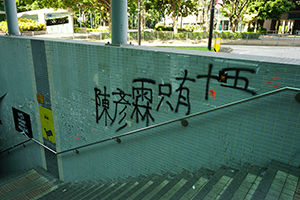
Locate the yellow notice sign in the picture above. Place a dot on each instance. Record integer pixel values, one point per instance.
(217, 44)
(47, 124)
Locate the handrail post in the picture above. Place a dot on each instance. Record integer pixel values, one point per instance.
(294, 39)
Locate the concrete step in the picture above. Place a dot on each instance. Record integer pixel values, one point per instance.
(279, 182)
(30, 184)
(249, 184)
(158, 183)
(216, 184)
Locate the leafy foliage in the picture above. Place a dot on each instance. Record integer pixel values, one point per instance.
(22, 6)
(259, 30)
(175, 8)
(99, 6)
(167, 28)
(234, 9)
(270, 9)
(1, 5)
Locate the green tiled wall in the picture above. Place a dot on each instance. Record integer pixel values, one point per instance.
(254, 132)
(16, 81)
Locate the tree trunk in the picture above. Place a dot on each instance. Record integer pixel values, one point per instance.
(181, 23)
(142, 15)
(255, 27)
(278, 24)
(234, 22)
(273, 24)
(204, 21)
(175, 24)
(142, 21)
(206, 15)
(109, 20)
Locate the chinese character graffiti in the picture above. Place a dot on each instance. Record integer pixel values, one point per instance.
(123, 103)
(139, 104)
(223, 77)
(102, 101)
(143, 98)
(184, 99)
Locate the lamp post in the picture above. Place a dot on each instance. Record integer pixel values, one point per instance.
(211, 27)
(139, 22)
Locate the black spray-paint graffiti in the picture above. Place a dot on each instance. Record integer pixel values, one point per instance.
(141, 98)
(223, 77)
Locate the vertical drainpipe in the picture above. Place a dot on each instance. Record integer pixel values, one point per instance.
(11, 17)
(119, 22)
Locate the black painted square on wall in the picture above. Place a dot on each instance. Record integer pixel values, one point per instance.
(22, 122)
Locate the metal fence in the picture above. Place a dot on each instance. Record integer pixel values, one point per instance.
(227, 37)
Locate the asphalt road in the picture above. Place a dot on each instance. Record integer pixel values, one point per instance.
(273, 51)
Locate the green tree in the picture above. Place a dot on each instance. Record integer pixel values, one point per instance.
(100, 6)
(175, 8)
(1, 5)
(181, 8)
(22, 6)
(132, 10)
(205, 6)
(234, 9)
(270, 9)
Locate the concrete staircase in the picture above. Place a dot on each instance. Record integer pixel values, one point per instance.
(278, 181)
(31, 184)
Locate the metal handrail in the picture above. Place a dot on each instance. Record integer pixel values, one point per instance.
(170, 121)
(15, 146)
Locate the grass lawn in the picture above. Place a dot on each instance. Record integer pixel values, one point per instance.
(192, 48)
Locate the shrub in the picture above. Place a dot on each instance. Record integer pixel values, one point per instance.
(150, 36)
(168, 28)
(189, 27)
(106, 36)
(236, 35)
(182, 30)
(25, 25)
(196, 35)
(133, 35)
(180, 36)
(263, 30)
(165, 36)
(250, 30)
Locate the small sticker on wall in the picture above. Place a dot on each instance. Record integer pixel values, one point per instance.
(47, 124)
(40, 98)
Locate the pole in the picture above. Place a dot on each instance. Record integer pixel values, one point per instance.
(80, 18)
(211, 24)
(11, 17)
(139, 22)
(95, 20)
(91, 20)
(119, 22)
